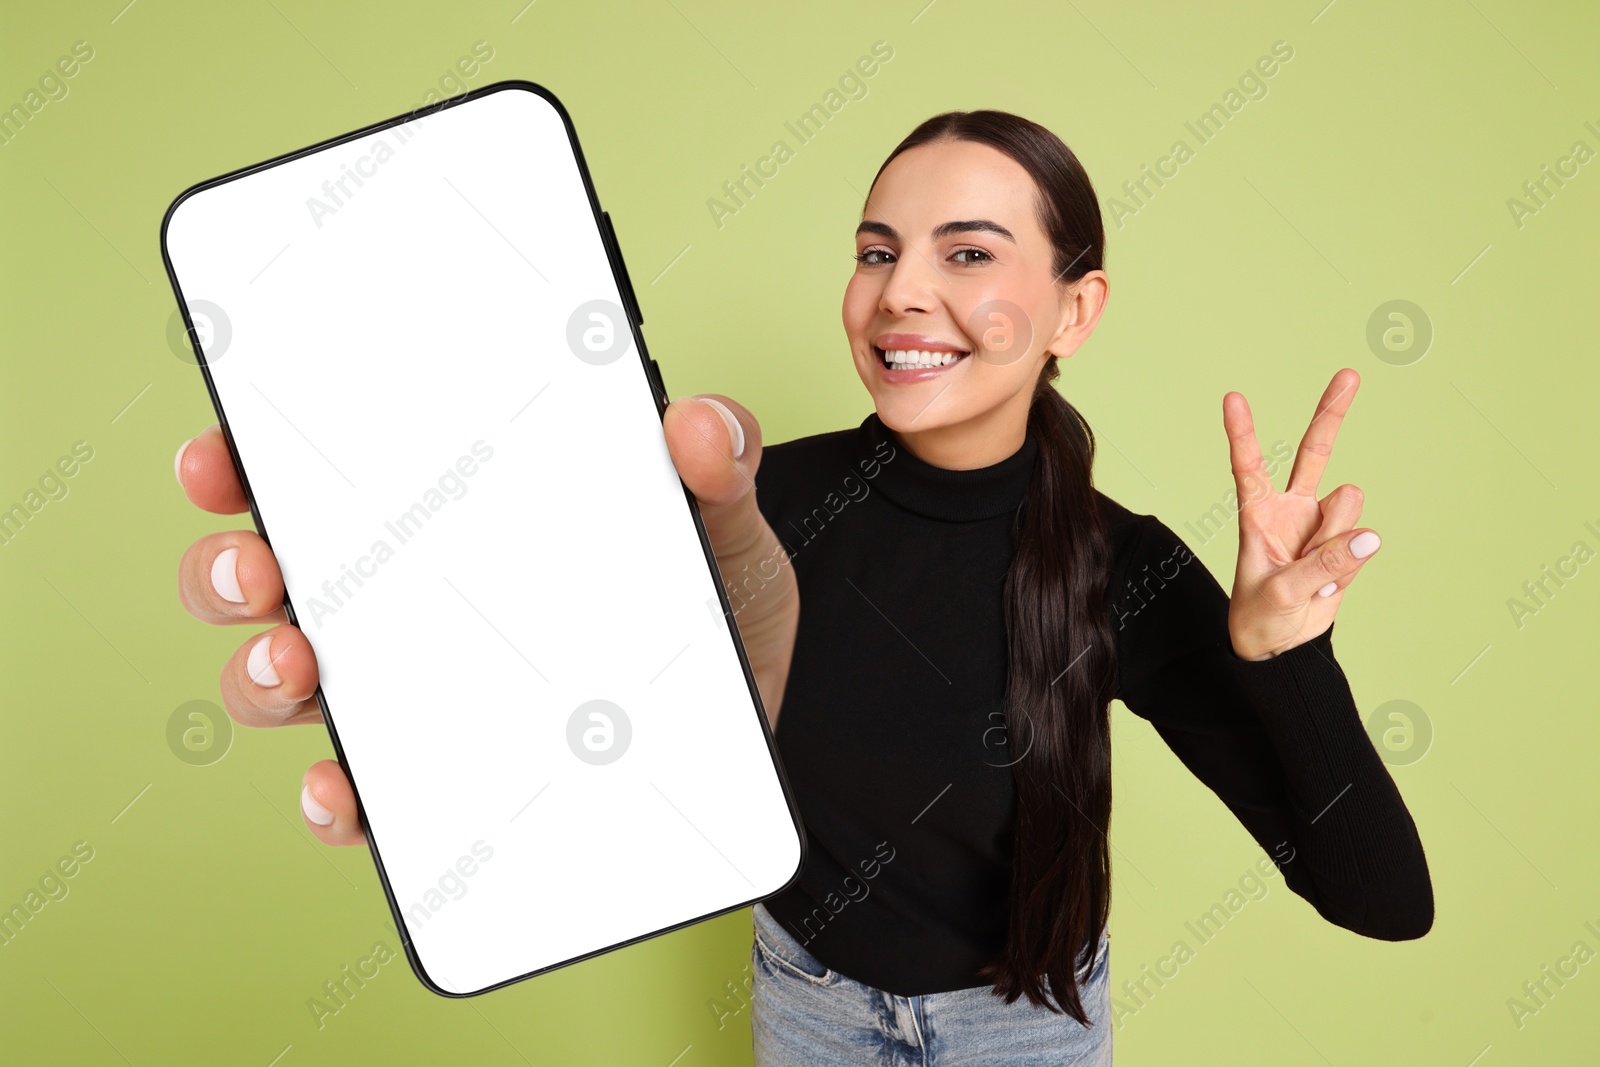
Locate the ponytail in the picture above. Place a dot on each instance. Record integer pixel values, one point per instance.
(1060, 681)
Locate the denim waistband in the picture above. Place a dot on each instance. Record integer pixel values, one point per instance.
(782, 942)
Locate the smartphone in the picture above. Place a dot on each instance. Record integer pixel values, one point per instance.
(424, 352)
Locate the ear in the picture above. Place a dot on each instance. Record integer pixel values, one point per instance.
(1082, 302)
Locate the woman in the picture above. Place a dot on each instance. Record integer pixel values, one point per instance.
(971, 606)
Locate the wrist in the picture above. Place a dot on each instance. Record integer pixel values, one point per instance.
(1250, 655)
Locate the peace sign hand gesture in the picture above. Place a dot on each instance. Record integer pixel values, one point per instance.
(1297, 554)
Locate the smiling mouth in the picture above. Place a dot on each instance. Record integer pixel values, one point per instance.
(910, 359)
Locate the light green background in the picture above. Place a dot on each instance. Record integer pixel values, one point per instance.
(1378, 167)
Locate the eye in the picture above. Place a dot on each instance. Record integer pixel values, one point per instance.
(986, 257)
(865, 258)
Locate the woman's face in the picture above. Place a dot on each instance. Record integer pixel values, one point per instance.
(952, 261)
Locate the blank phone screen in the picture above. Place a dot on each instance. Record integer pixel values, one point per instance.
(425, 362)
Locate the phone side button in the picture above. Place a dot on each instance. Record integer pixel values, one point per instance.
(628, 295)
(661, 383)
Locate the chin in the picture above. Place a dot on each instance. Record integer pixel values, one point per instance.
(911, 414)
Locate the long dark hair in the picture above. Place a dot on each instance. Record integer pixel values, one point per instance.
(1062, 668)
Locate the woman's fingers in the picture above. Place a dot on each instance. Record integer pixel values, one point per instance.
(231, 577)
(271, 680)
(1326, 570)
(1311, 459)
(329, 805)
(1341, 510)
(1252, 483)
(205, 470)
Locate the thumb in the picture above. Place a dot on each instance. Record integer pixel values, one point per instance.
(1333, 564)
(716, 446)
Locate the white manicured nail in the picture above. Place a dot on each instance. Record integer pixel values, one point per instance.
(1328, 589)
(735, 431)
(314, 811)
(259, 665)
(1364, 544)
(225, 575)
(177, 461)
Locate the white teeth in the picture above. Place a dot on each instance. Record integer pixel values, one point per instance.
(899, 359)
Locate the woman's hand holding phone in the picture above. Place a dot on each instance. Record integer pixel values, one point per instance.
(233, 578)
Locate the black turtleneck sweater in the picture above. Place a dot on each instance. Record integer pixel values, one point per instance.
(888, 724)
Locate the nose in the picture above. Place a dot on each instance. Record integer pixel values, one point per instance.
(912, 285)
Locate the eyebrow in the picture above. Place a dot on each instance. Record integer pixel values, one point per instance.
(944, 229)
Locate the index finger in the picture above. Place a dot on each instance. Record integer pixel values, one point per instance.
(1311, 459)
(205, 470)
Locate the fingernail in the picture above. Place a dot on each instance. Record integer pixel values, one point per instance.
(225, 575)
(735, 431)
(1328, 589)
(177, 461)
(259, 665)
(1363, 544)
(314, 811)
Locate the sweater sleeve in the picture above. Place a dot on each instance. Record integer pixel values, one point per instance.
(1279, 741)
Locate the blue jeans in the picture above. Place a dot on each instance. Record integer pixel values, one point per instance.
(805, 1015)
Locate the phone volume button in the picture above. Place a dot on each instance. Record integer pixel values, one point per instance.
(629, 297)
(661, 383)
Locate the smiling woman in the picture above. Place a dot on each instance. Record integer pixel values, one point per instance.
(989, 579)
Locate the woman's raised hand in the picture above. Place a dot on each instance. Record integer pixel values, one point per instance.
(232, 578)
(1297, 554)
